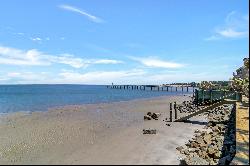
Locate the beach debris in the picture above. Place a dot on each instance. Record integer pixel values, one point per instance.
(168, 124)
(149, 131)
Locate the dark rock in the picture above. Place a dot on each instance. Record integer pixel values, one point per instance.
(197, 131)
(149, 131)
(155, 115)
(149, 114)
(183, 162)
(146, 117)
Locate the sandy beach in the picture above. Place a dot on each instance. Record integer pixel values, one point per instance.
(107, 133)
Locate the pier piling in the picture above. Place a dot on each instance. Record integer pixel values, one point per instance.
(175, 113)
(170, 118)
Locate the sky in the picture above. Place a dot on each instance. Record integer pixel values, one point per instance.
(121, 41)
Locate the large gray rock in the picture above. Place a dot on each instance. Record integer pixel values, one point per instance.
(207, 138)
(196, 160)
(211, 151)
(199, 140)
(180, 148)
(217, 155)
(194, 145)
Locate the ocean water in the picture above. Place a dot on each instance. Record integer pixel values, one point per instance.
(29, 98)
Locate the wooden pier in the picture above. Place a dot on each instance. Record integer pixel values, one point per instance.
(170, 88)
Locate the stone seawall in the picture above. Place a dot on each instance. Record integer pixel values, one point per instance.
(215, 145)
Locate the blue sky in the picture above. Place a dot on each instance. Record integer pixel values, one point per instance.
(125, 42)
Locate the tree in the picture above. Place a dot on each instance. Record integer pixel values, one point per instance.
(240, 81)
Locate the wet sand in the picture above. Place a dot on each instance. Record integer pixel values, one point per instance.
(107, 133)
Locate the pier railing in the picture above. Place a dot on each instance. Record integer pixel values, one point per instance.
(203, 97)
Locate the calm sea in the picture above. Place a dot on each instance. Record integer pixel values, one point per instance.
(15, 98)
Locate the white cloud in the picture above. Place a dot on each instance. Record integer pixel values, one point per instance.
(69, 60)
(19, 33)
(74, 9)
(212, 38)
(106, 61)
(235, 27)
(33, 57)
(36, 39)
(156, 63)
(135, 76)
(230, 33)
(12, 56)
(101, 77)
(71, 77)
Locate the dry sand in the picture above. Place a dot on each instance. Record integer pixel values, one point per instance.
(108, 133)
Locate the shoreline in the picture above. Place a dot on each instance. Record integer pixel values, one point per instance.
(4, 114)
(107, 133)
